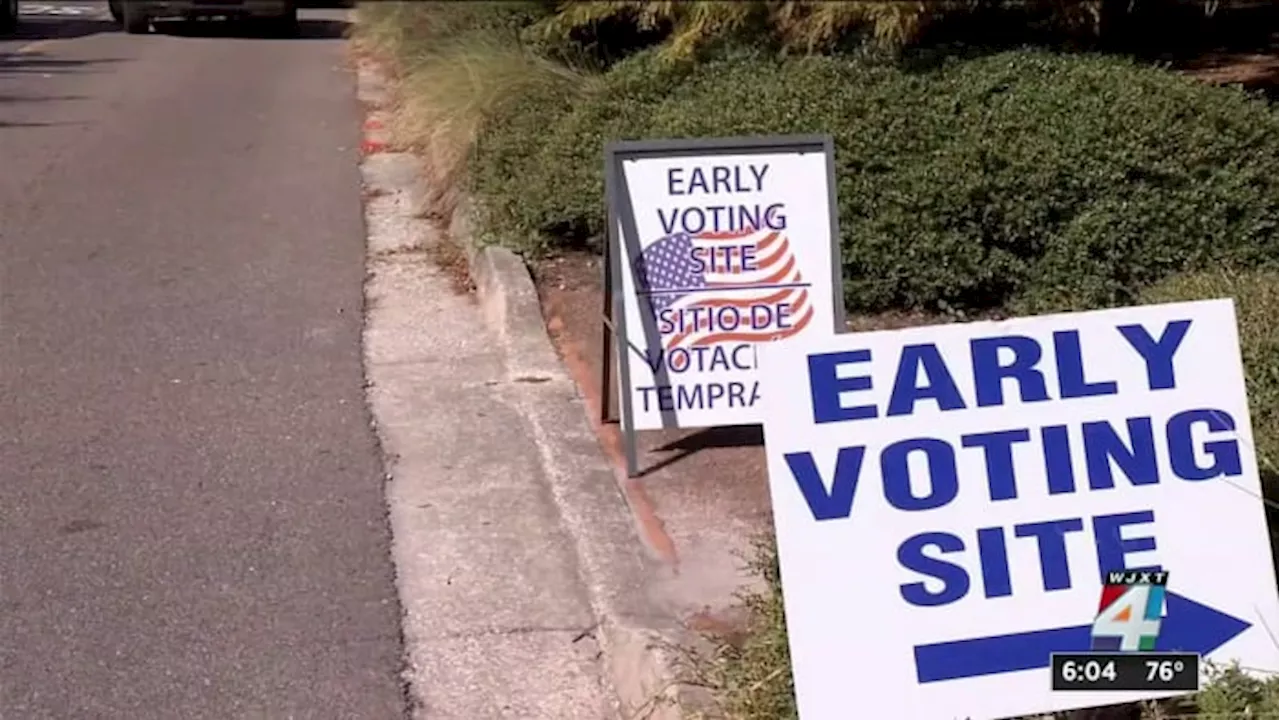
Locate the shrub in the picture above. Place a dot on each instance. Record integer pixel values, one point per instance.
(460, 64)
(1256, 296)
(408, 29)
(537, 208)
(1020, 180)
(688, 28)
(1232, 693)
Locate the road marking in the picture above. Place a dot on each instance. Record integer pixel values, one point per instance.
(33, 46)
(63, 10)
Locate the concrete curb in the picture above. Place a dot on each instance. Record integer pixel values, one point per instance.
(507, 296)
(639, 640)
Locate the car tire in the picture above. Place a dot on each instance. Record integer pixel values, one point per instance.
(113, 6)
(135, 21)
(8, 15)
(286, 25)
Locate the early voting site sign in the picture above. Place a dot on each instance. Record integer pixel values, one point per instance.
(717, 246)
(948, 501)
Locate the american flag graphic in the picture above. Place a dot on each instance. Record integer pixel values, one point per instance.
(669, 275)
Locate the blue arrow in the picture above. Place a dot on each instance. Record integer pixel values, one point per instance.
(1188, 626)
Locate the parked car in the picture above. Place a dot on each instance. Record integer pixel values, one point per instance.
(136, 15)
(8, 15)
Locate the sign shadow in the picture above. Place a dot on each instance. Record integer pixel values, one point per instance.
(712, 438)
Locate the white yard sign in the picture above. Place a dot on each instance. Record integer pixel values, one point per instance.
(947, 500)
(721, 249)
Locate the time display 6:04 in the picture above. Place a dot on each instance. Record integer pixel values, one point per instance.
(1141, 671)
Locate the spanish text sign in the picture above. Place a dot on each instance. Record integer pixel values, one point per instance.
(724, 248)
(949, 499)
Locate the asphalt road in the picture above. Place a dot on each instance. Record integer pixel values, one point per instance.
(192, 521)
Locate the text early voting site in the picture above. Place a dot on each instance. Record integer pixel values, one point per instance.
(976, 520)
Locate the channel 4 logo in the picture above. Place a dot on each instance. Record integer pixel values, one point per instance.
(1129, 612)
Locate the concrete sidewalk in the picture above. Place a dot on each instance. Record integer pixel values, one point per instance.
(524, 587)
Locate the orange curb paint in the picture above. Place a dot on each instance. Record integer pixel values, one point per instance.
(651, 527)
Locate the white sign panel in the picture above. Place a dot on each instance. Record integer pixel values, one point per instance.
(949, 499)
(728, 250)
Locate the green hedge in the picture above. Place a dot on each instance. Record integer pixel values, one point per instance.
(538, 207)
(1257, 297)
(1022, 180)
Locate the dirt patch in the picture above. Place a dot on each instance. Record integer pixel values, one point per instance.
(368, 193)
(452, 259)
(1253, 71)
(1243, 55)
(889, 321)
(729, 626)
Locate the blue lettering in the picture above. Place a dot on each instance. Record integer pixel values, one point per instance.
(774, 218)
(1051, 541)
(701, 359)
(668, 223)
(1070, 359)
(1112, 547)
(825, 386)
(719, 359)
(723, 179)
(824, 505)
(1057, 459)
(653, 357)
(997, 450)
(758, 173)
(720, 179)
(687, 397)
(673, 180)
(943, 483)
(939, 385)
(989, 375)
(720, 218)
(697, 181)
(728, 318)
(694, 396)
(698, 396)
(666, 326)
(1102, 445)
(696, 260)
(955, 581)
(995, 562)
(1224, 454)
(993, 555)
(783, 311)
(677, 359)
(1157, 354)
(700, 218)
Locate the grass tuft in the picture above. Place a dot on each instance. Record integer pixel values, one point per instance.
(451, 93)
(459, 64)
(748, 674)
